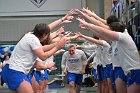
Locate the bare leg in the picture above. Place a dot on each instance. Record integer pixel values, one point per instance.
(120, 86)
(72, 87)
(110, 87)
(25, 87)
(78, 88)
(45, 85)
(134, 88)
(105, 86)
(35, 85)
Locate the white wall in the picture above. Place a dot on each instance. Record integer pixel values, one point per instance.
(49, 7)
(97, 6)
(19, 16)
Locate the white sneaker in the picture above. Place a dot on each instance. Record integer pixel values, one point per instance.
(95, 85)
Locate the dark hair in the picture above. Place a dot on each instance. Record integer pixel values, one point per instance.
(112, 19)
(47, 41)
(117, 26)
(41, 29)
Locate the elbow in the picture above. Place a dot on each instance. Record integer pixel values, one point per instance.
(43, 58)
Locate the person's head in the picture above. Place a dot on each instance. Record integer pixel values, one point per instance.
(42, 31)
(117, 26)
(71, 49)
(7, 57)
(112, 19)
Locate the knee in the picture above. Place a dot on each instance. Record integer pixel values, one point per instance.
(71, 84)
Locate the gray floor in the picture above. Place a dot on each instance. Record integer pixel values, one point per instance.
(60, 90)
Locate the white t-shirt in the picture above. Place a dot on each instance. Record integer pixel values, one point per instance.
(74, 63)
(89, 49)
(50, 59)
(5, 62)
(98, 57)
(125, 53)
(0, 66)
(103, 55)
(23, 56)
(106, 55)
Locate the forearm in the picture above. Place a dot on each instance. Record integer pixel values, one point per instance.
(98, 22)
(89, 39)
(103, 32)
(39, 66)
(49, 47)
(55, 23)
(83, 67)
(54, 34)
(99, 18)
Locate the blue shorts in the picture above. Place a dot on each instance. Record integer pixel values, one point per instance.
(95, 74)
(30, 75)
(113, 78)
(76, 78)
(133, 76)
(39, 76)
(108, 70)
(118, 71)
(13, 78)
(100, 71)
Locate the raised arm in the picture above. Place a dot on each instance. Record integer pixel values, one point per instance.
(106, 33)
(86, 10)
(92, 19)
(91, 39)
(67, 18)
(44, 55)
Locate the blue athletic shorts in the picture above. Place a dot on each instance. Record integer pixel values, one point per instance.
(108, 70)
(76, 78)
(113, 78)
(39, 76)
(13, 78)
(100, 71)
(118, 71)
(30, 75)
(95, 74)
(133, 76)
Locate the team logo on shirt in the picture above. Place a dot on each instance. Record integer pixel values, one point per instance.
(73, 60)
(110, 50)
(38, 3)
(116, 50)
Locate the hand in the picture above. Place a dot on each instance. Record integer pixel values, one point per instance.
(53, 68)
(87, 11)
(82, 14)
(79, 34)
(90, 65)
(50, 64)
(61, 43)
(83, 24)
(61, 30)
(65, 72)
(68, 17)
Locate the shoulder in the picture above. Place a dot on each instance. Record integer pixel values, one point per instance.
(79, 51)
